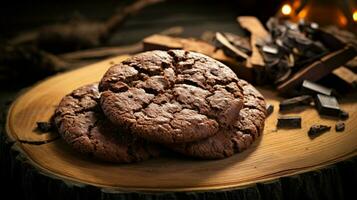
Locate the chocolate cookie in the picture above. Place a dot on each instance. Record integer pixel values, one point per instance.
(171, 97)
(235, 139)
(82, 125)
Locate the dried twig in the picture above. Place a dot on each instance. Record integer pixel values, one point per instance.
(79, 34)
(27, 63)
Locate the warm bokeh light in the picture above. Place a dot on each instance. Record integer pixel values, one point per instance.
(286, 9)
(354, 16)
(342, 20)
(302, 14)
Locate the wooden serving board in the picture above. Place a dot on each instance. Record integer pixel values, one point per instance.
(277, 153)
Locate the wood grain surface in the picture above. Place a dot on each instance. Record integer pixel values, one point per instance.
(277, 153)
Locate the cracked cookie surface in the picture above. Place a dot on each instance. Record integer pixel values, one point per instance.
(237, 138)
(171, 96)
(83, 126)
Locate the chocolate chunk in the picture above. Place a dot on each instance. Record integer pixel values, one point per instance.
(319, 69)
(289, 122)
(240, 42)
(329, 40)
(288, 104)
(340, 126)
(270, 109)
(327, 105)
(230, 50)
(311, 87)
(318, 129)
(44, 127)
(302, 40)
(291, 47)
(309, 28)
(343, 115)
(337, 37)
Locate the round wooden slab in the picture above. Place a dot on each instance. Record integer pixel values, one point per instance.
(277, 153)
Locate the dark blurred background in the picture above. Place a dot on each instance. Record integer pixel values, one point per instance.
(22, 65)
(195, 16)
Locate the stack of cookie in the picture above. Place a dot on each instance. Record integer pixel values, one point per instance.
(177, 100)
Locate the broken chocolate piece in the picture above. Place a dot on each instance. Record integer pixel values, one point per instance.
(343, 115)
(311, 87)
(327, 105)
(44, 127)
(289, 122)
(320, 68)
(344, 36)
(270, 109)
(329, 40)
(228, 48)
(340, 126)
(291, 49)
(318, 129)
(288, 104)
(240, 42)
(305, 27)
